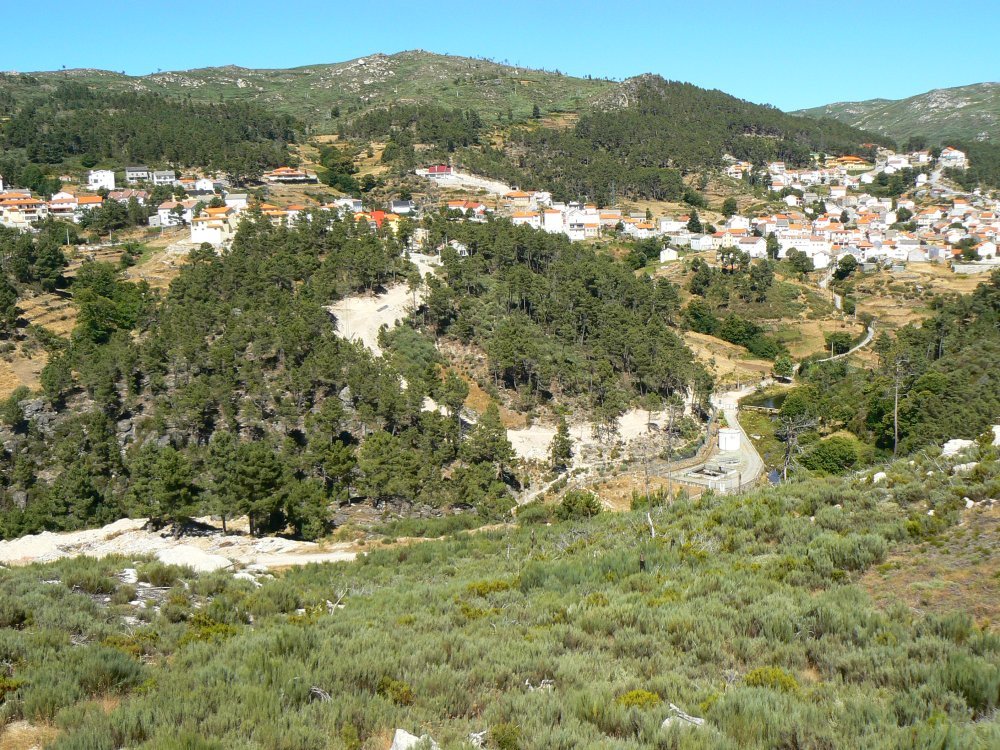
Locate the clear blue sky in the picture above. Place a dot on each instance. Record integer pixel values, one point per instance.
(790, 54)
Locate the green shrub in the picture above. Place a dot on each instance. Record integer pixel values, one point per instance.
(12, 614)
(90, 580)
(397, 691)
(577, 504)
(202, 628)
(487, 587)
(505, 736)
(774, 678)
(535, 512)
(162, 575)
(638, 699)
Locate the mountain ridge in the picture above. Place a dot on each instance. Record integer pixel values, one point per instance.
(318, 93)
(969, 112)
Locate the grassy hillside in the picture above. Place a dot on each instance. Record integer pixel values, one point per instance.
(310, 93)
(965, 113)
(749, 611)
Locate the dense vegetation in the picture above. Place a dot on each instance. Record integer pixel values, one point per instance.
(664, 129)
(984, 165)
(944, 372)
(75, 122)
(556, 317)
(744, 610)
(234, 394)
(428, 124)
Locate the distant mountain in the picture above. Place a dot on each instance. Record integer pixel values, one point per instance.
(312, 92)
(961, 113)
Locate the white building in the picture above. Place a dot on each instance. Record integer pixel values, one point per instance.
(134, 175)
(164, 177)
(952, 157)
(101, 178)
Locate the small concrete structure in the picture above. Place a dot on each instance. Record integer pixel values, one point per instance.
(729, 439)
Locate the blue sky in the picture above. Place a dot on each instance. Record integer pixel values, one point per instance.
(790, 54)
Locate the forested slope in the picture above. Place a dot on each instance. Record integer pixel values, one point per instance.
(944, 370)
(640, 139)
(76, 124)
(234, 394)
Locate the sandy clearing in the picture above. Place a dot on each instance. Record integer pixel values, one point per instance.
(359, 318)
(532, 443)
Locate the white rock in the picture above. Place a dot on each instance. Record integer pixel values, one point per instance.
(996, 436)
(930, 473)
(680, 718)
(956, 446)
(403, 740)
(879, 476)
(129, 575)
(197, 559)
(969, 504)
(930, 512)
(245, 576)
(962, 468)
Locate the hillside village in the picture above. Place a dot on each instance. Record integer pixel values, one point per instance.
(830, 211)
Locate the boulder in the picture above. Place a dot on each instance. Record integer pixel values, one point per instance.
(963, 468)
(956, 446)
(193, 557)
(405, 741)
(681, 719)
(879, 477)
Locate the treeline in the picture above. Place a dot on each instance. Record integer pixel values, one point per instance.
(559, 318)
(74, 121)
(944, 373)
(664, 129)
(419, 123)
(233, 394)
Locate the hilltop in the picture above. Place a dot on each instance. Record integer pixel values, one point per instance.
(313, 92)
(964, 113)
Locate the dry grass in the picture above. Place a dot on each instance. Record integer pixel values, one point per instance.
(805, 337)
(728, 362)
(54, 312)
(616, 492)
(958, 573)
(900, 298)
(24, 736)
(18, 369)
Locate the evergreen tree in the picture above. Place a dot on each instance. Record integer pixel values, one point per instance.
(561, 447)
(694, 223)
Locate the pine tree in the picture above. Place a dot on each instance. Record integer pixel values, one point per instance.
(694, 223)
(561, 447)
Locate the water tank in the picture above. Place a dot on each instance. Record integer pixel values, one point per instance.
(729, 439)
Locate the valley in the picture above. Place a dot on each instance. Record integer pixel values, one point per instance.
(422, 400)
